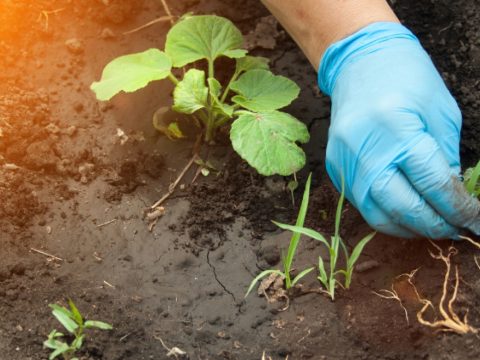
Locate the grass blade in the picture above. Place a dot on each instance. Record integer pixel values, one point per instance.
(304, 231)
(358, 249)
(292, 248)
(301, 275)
(338, 215)
(98, 324)
(323, 274)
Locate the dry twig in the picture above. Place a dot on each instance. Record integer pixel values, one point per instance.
(150, 23)
(172, 186)
(175, 351)
(45, 15)
(168, 17)
(106, 223)
(476, 262)
(46, 254)
(477, 245)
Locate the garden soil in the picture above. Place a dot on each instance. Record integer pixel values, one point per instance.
(76, 177)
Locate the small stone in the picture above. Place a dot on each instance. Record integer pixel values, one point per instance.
(52, 128)
(74, 45)
(107, 33)
(367, 265)
(70, 131)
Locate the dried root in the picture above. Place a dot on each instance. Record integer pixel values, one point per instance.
(393, 294)
(477, 245)
(450, 321)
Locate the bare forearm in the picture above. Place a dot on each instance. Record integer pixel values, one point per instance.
(315, 24)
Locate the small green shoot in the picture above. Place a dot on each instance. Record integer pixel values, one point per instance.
(472, 180)
(292, 249)
(292, 186)
(329, 279)
(249, 103)
(73, 322)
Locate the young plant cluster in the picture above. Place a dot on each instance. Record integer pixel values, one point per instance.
(328, 277)
(250, 102)
(73, 322)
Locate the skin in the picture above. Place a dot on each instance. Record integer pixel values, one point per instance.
(316, 24)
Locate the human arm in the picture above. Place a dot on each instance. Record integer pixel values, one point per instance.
(395, 128)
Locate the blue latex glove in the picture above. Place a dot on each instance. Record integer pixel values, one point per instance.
(394, 135)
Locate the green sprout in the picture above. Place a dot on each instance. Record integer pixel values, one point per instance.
(292, 248)
(472, 180)
(329, 280)
(73, 322)
(249, 102)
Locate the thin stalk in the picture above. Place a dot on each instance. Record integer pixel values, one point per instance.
(222, 121)
(210, 131)
(173, 79)
(227, 89)
(211, 70)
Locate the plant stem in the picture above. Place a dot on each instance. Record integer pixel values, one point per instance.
(211, 70)
(227, 89)
(173, 79)
(222, 121)
(210, 131)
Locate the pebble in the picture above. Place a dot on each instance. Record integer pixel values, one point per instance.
(367, 265)
(74, 45)
(107, 33)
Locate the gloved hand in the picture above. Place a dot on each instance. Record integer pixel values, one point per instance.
(394, 135)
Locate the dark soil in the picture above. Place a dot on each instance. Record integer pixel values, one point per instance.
(76, 176)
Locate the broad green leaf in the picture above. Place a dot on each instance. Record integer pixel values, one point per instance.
(261, 276)
(65, 317)
(98, 324)
(52, 342)
(305, 231)
(301, 275)
(132, 72)
(219, 108)
(76, 314)
(235, 54)
(78, 342)
(203, 37)
(62, 348)
(260, 90)
(358, 250)
(267, 141)
(214, 86)
(191, 94)
(248, 63)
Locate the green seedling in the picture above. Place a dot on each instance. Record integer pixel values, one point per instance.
(472, 180)
(249, 102)
(292, 249)
(292, 186)
(329, 279)
(73, 322)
